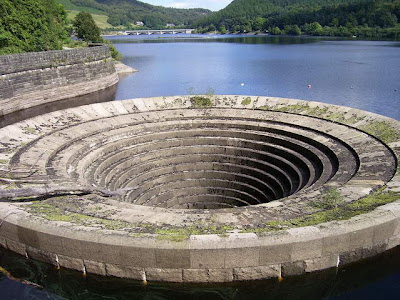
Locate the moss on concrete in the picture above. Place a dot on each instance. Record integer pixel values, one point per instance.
(382, 130)
(246, 101)
(343, 212)
(303, 109)
(332, 209)
(51, 212)
(178, 234)
(200, 102)
(30, 130)
(316, 111)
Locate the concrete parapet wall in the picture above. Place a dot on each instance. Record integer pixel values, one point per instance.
(116, 152)
(206, 258)
(32, 79)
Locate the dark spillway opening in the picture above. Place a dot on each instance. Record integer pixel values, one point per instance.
(212, 166)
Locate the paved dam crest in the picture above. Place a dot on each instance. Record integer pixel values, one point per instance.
(200, 188)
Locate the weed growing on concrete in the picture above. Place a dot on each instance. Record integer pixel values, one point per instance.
(329, 199)
(200, 102)
(246, 101)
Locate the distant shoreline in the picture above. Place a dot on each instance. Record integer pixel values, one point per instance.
(252, 34)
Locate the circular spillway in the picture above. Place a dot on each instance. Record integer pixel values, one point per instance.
(201, 189)
(209, 162)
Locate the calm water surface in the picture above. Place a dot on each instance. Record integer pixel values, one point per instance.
(360, 74)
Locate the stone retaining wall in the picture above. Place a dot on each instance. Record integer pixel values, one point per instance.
(32, 79)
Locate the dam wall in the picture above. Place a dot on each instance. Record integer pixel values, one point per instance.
(32, 79)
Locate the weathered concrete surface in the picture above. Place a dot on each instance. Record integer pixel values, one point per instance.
(170, 189)
(120, 68)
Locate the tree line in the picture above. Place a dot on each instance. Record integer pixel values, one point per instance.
(127, 12)
(364, 18)
(41, 25)
(32, 25)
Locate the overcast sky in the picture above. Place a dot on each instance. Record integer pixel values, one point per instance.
(210, 4)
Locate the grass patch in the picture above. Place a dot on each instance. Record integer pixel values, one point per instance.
(68, 5)
(199, 101)
(99, 19)
(382, 130)
(246, 101)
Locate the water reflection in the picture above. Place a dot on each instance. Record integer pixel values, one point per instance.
(250, 39)
(377, 278)
(105, 95)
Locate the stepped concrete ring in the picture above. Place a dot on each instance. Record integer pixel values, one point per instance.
(201, 188)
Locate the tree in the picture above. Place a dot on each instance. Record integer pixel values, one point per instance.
(313, 29)
(275, 31)
(222, 29)
(32, 25)
(335, 22)
(292, 30)
(86, 29)
(212, 28)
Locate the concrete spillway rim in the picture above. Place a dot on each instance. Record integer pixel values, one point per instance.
(207, 257)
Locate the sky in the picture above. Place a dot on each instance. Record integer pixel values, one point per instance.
(209, 4)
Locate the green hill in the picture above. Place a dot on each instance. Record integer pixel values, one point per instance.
(353, 17)
(127, 12)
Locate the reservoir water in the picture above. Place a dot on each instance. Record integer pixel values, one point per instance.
(359, 74)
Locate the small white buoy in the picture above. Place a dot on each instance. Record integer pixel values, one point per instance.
(242, 84)
(309, 86)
